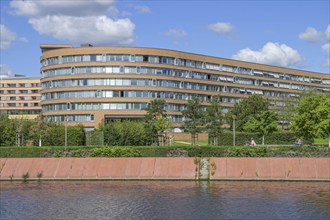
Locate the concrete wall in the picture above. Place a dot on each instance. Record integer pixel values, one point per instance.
(165, 168)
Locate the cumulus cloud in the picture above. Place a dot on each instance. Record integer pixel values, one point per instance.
(271, 54)
(77, 21)
(326, 48)
(92, 29)
(5, 71)
(23, 39)
(326, 63)
(221, 27)
(327, 32)
(175, 33)
(142, 9)
(73, 8)
(6, 37)
(311, 35)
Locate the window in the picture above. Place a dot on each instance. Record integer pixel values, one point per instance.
(132, 58)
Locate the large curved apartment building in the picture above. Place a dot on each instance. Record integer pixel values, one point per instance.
(91, 85)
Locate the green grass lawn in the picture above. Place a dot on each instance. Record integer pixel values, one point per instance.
(321, 141)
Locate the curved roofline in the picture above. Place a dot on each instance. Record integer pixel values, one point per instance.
(67, 46)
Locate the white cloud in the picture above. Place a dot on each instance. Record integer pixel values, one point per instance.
(92, 29)
(326, 48)
(175, 33)
(221, 27)
(23, 39)
(271, 54)
(125, 14)
(5, 71)
(142, 9)
(326, 63)
(327, 32)
(6, 37)
(311, 35)
(72, 8)
(78, 21)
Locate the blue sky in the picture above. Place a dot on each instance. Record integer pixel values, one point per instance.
(292, 34)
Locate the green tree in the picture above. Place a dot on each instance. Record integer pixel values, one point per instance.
(113, 133)
(194, 118)
(285, 115)
(7, 130)
(124, 133)
(154, 118)
(246, 109)
(38, 131)
(312, 118)
(161, 124)
(264, 123)
(214, 121)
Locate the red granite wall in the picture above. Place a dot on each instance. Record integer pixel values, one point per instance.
(165, 168)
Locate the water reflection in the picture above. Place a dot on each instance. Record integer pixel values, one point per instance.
(165, 200)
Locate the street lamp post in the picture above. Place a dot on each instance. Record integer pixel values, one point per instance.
(66, 131)
(234, 129)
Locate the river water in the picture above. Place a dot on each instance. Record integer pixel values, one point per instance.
(164, 200)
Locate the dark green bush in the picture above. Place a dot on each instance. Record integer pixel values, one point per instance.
(55, 135)
(124, 133)
(154, 151)
(114, 152)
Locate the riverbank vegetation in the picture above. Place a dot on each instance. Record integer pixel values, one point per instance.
(251, 118)
(166, 151)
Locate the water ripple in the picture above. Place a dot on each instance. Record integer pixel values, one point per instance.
(164, 200)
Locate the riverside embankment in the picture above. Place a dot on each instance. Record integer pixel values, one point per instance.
(165, 168)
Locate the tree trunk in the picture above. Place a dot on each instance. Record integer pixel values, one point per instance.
(263, 139)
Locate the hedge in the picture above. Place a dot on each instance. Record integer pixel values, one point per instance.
(148, 151)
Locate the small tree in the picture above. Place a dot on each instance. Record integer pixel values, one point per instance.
(39, 130)
(155, 120)
(161, 124)
(264, 123)
(194, 118)
(214, 117)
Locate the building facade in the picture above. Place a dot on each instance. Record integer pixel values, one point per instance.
(91, 85)
(20, 96)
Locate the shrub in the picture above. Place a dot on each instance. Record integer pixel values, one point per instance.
(114, 152)
(163, 151)
(124, 133)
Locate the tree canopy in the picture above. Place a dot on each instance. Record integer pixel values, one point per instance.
(245, 109)
(312, 118)
(264, 123)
